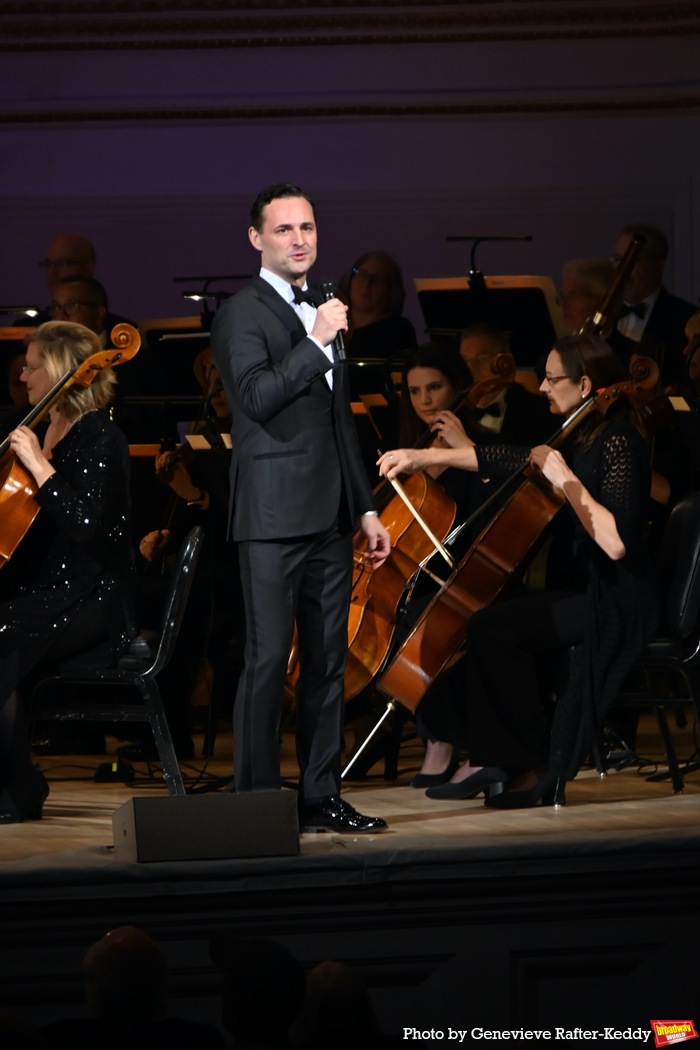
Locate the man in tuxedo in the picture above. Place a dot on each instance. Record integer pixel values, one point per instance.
(513, 415)
(297, 489)
(651, 316)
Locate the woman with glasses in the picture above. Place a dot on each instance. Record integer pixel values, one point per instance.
(598, 597)
(67, 588)
(375, 294)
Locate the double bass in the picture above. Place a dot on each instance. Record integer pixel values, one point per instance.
(18, 508)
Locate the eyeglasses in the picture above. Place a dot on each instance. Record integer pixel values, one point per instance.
(68, 308)
(28, 369)
(553, 380)
(370, 278)
(60, 264)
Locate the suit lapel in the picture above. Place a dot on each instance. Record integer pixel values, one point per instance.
(282, 311)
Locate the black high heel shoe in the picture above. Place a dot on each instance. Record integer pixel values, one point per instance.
(25, 803)
(428, 780)
(490, 779)
(549, 791)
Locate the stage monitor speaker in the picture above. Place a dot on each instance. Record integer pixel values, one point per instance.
(207, 827)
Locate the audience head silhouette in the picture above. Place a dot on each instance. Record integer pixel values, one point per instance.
(126, 975)
(263, 993)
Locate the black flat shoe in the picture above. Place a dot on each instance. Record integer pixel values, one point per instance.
(14, 809)
(550, 791)
(427, 780)
(335, 814)
(490, 779)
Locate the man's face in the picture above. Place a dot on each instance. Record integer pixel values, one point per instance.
(645, 276)
(287, 239)
(477, 353)
(578, 302)
(67, 257)
(75, 301)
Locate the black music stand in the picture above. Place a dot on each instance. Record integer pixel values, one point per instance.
(525, 307)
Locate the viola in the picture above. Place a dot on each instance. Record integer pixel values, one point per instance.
(492, 563)
(18, 508)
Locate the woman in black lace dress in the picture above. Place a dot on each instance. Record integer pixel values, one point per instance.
(67, 589)
(599, 593)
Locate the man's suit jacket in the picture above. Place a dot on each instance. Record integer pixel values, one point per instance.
(296, 459)
(664, 336)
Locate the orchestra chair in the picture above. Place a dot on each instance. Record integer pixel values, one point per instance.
(138, 668)
(384, 417)
(368, 437)
(668, 672)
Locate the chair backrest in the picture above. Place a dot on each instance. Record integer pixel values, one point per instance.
(176, 599)
(678, 568)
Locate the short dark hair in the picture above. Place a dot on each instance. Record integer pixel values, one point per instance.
(444, 358)
(97, 289)
(273, 193)
(499, 339)
(656, 246)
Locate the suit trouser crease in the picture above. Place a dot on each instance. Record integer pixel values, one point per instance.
(307, 580)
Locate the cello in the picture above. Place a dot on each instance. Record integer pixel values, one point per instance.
(491, 564)
(413, 514)
(418, 517)
(18, 508)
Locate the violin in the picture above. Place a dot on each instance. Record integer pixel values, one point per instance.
(492, 563)
(18, 508)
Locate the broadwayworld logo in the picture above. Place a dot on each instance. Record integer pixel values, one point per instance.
(668, 1033)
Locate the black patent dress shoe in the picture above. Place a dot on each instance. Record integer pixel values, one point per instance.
(335, 814)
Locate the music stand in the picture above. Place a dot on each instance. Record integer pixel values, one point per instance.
(169, 348)
(525, 307)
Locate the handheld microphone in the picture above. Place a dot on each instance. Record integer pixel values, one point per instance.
(327, 288)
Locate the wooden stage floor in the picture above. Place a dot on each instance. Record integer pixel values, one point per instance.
(599, 900)
(78, 813)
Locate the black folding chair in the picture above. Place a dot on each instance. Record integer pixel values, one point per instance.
(138, 668)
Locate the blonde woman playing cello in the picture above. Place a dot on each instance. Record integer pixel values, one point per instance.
(67, 587)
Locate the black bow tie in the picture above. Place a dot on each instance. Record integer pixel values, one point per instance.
(301, 296)
(488, 410)
(639, 310)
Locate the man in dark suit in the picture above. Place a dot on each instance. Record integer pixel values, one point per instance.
(297, 488)
(84, 300)
(513, 414)
(651, 316)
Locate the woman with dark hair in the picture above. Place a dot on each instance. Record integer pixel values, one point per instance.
(432, 379)
(67, 588)
(374, 291)
(599, 597)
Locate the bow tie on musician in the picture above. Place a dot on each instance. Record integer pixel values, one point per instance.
(638, 309)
